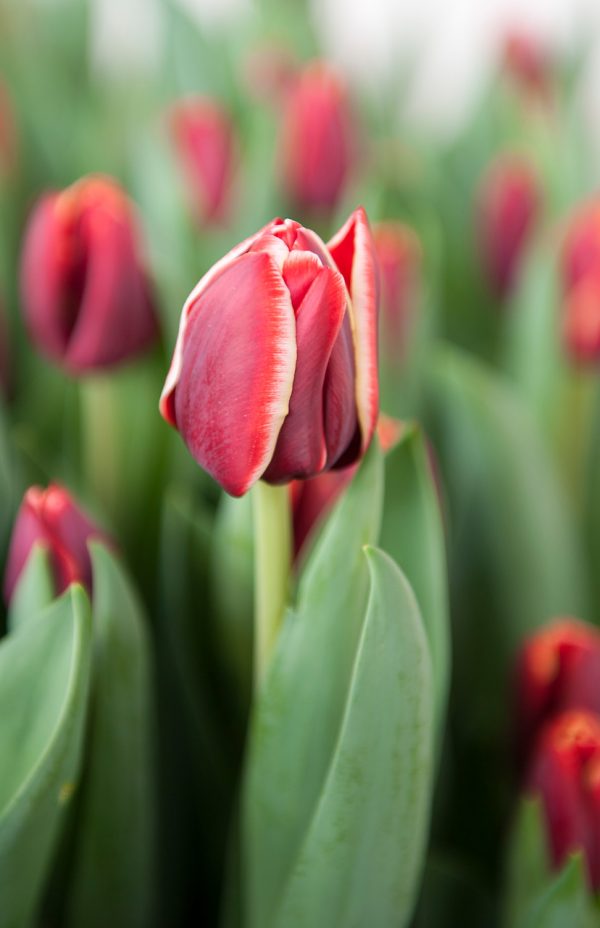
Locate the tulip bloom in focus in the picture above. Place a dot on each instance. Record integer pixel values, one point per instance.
(52, 519)
(508, 208)
(565, 773)
(204, 141)
(274, 374)
(581, 285)
(316, 141)
(558, 669)
(86, 296)
(399, 256)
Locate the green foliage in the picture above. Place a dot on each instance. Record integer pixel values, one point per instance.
(44, 679)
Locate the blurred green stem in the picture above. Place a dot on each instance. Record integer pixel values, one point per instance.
(272, 561)
(100, 438)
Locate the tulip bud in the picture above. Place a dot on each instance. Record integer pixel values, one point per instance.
(51, 518)
(399, 256)
(508, 207)
(528, 64)
(581, 325)
(558, 669)
(274, 373)
(86, 297)
(316, 141)
(565, 773)
(204, 141)
(581, 248)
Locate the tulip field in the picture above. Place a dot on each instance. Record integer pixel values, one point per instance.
(299, 486)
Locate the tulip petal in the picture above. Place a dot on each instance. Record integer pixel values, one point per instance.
(238, 356)
(45, 268)
(116, 317)
(166, 404)
(353, 251)
(341, 424)
(301, 449)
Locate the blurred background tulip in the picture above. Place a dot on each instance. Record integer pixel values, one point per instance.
(565, 772)
(86, 295)
(51, 519)
(203, 136)
(399, 258)
(317, 143)
(509, 204)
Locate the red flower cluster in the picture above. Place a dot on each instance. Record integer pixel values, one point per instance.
(558, 686)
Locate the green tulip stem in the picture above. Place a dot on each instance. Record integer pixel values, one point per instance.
(99, 431)
(272, 562)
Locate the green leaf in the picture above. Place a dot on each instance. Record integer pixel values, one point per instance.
(362, 853)
(412, 534)
(113, 878)
(500, 475)
(567, 901)
(535, 896)
(34, 590)
(301, 706)
(44, 677)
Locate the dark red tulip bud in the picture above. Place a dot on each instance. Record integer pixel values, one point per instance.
(558, 669)
(509, 203)
(274, 374)
(86, 296)
(565, 773)
(399, 255)
(317, 145)
(204, 141)
(51, 519)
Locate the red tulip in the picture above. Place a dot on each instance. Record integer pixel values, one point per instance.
(86, 297)
(509, 204)
(274, 373)
(581, 247)
(558, 669)
(528, 63)
(581, 326)
(399, 256)
(51, 518)
(204, 140)
(316, 142)
(565, 772)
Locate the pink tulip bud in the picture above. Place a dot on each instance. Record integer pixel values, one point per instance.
(51, 519)
(86, 296)
(204, 141)
(580, 261)
(274, 374)
(399, 256)
(316, 141)
(558, 669)
(509, 204)
(527, 62)
(565, 773)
